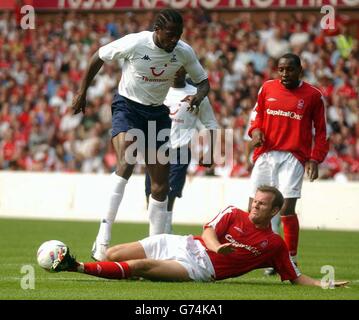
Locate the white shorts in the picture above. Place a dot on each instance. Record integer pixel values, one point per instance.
(189, 252)
(279, 169)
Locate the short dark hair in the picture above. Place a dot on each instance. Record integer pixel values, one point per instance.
(278, 197)
(166, 16)
(293, 57)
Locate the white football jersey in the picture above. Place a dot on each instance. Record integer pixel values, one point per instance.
(184, 122)
(148, 71)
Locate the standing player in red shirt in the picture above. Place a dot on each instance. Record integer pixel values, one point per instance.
(233, 243)
(281, 128)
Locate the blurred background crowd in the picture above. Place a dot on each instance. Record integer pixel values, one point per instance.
(41, 69)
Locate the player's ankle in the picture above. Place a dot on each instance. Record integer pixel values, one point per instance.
(80, 267)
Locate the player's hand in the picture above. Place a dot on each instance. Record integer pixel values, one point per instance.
(257, 138)
(311, 167)
(226, 248)
(79, 103)
(336, 284)
(340, 283)
(193, 102)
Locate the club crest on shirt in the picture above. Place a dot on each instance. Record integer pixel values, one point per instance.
(300, 104)
(173, 59)
(264, 243)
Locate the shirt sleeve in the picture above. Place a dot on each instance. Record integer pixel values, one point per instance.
(284, 265)
(222, 221)
(206, 115)
(256, 120)
(321, 143)
(121, 48)
(193, 67)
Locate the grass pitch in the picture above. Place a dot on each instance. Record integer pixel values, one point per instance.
(20, 240)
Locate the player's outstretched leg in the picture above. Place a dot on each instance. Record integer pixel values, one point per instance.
(105, 269)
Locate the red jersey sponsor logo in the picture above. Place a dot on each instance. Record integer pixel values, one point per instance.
(237, 244)
(288, 114)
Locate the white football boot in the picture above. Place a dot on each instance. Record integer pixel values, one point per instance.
(99, 251)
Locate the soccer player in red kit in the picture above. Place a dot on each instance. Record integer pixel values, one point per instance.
(233, 243)
(282, 123)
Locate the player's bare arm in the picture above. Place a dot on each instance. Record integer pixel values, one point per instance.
(311, 167)
(195, 100)
(308, 281)
(209, 237)
(79, 102)
(257, 138)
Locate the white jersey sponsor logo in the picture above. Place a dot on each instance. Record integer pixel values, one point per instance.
(288, 114)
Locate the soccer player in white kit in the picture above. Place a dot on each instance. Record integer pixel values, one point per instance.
(151, 60)
(183, 128)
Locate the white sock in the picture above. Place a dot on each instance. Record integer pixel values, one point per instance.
(168, 226)
(117, 190)
(276, 223)
(157, 215)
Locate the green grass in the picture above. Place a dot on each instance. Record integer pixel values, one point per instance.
(21, 238)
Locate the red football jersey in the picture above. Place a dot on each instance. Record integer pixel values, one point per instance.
(256, 248)
(287, 118)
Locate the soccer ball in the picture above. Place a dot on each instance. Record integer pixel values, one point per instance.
(50, 251)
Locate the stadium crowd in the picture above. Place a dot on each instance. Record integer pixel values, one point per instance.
(40, 70)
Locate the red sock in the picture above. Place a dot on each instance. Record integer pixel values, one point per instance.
(108, 269)
(291, 232)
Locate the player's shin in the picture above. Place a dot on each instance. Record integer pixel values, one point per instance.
(118, 185)
(107, 269)
(291, 233)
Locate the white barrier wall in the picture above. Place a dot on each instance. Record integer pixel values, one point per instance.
(324, 204)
